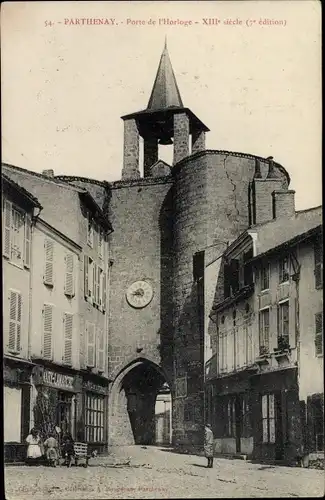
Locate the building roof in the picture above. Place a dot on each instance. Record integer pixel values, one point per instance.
(165, 92)
(83, 193)
(272, 235)
(26, 194)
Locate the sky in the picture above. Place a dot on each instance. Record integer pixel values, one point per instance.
(256, 83)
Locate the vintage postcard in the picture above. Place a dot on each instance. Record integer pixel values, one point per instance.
(162, 249)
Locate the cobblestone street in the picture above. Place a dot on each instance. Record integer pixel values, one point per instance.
(160, 473)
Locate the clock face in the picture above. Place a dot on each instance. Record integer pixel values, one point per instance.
(139, 294)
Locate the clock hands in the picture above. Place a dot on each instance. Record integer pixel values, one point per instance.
(139, 292)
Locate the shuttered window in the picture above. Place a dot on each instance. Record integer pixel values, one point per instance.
(91, 344)
(319, 334)
(68, 335)
(103, 291)
(47, 330)
(17, 236)
(28, 230)
(101, 350)
(49, 261)
(69, 275)
(86, 275)
(6, 243)
(98, 281)
(264, 331)
(15, 305)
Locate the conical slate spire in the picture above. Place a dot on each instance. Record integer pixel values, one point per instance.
(165, 93)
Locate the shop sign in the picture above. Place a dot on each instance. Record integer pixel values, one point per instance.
(89, 386)
(58, 380)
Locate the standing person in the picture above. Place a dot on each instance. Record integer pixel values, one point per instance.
(34, 451)
(68, 448)
(208, 445)
(51, 446)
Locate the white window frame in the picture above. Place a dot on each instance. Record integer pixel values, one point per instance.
(282, 278)
(266, 268)
(100, 243)
(20, 237)
(91, 326)
(260, 315)
(281, 303)
(268, 417)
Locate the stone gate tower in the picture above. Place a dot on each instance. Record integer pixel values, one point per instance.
(169, 225)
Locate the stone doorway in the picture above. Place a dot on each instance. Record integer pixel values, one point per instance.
(133, 404)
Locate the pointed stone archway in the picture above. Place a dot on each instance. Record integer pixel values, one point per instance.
(132, 403)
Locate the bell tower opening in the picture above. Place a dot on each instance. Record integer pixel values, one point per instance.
(165, 122)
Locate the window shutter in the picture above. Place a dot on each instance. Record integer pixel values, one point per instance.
(68, 332)
(319, 334)
(104, 291)
(95, 283)
(47, 331)
(6, 228)
(86, 275)
(14, 341)
(48, 272)
(99, 300)
(101, 350)
(69, 275)
(28, 230)
(91, 344)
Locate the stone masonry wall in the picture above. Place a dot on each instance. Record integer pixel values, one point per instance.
(181, 137)
(131, 150)
(135, 213)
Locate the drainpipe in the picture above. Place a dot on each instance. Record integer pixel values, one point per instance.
(296, 279)
(30, 297)
(33, 224)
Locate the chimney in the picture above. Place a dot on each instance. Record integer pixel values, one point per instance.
(262, 191)
(48, 173)
(283, 203)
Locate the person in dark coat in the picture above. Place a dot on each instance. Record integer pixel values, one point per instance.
(208, 445)
(67, 448)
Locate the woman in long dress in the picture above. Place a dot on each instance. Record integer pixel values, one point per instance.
(34, 452)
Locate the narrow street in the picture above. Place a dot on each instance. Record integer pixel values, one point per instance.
(136, 472)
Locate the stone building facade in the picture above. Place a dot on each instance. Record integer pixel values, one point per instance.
(264, 375)
(67, 319)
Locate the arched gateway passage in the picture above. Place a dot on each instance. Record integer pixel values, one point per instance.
(137, 413)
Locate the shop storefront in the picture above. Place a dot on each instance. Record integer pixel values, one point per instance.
(16, 404)
(55, 401)
(95, 412)
(276, 416)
